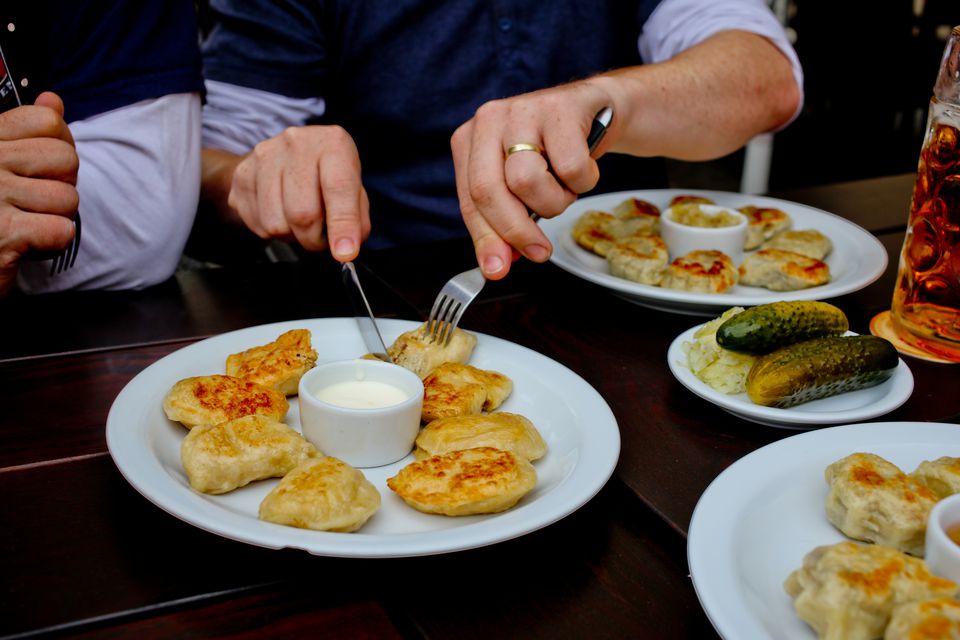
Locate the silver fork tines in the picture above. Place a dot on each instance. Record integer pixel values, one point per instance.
(65, 259)
(451, 302)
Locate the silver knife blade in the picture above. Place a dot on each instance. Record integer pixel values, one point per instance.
(361, 309)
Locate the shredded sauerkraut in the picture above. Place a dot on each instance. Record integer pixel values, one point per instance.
(723, 370)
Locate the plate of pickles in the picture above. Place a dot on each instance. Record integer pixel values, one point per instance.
(792, 365)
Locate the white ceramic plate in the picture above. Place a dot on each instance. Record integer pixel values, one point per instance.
(857, 259)
(755, 522)
(580, 430)
(853, 406)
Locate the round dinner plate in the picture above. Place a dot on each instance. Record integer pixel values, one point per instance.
(853, 406)
(758, 519)
(857, 259)
(580, 430)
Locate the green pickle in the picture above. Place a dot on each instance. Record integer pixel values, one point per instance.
(818, 368)
(767, 327)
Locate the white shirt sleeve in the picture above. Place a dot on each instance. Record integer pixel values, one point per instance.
(139, 184)
(676, 25)
(236, 118)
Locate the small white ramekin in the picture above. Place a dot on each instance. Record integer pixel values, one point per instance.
(943, 554)
(681, 239)
(361, 437)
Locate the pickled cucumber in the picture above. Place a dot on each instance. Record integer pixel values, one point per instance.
(767, 327)
(818, 368)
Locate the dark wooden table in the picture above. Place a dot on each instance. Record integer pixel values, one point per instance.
(84, 555)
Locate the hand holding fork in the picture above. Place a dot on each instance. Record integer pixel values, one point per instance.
(461, 289)
(38, 196)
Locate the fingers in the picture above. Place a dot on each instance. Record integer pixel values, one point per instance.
(40, 158)
(302, 205)
(344, 199)
(50, 100)
(34, 121)
(26, 230)
(300, 183)
(32, 194)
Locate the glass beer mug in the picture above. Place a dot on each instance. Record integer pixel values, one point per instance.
(926, 301)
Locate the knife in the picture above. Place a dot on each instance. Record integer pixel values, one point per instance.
(361, 309)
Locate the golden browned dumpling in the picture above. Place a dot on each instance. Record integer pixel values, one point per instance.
(500, 430)
(638, 217)
(414, 350)
(279, 364)
(848, 591)
(941, 475)
(762, 224)
(459, 389)
(461, 483)
(690, 199)
(324, 494)
(215, 399)
(871, 499)
(702, 272)
(640, 259)
(936, 619)
(780, 270)
(595, 231)
(809, 242)
(222, 457)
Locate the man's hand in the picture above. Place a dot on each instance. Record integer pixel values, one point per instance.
(38, 177)
(495, 189)
(296, 183)
(703, 103)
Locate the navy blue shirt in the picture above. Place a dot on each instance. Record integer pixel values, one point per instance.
(401, 75)
(100, 55)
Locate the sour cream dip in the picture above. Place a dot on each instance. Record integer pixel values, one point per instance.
(361, 394)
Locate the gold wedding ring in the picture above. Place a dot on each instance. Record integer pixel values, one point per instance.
(524, 146)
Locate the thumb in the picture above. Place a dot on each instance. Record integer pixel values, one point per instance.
(51, 100)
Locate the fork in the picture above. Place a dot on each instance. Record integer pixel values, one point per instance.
(460, 290)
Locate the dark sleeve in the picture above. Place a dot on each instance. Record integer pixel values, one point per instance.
(272, 45)
(645, 8)
(106, 54)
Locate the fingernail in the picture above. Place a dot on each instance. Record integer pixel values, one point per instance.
(344, 247)
(492, 265)
(536, 252)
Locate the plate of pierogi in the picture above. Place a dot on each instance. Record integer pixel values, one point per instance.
(766, 516)
(153, 415)
(606, 239)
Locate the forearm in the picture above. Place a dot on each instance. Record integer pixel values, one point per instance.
(703, 103)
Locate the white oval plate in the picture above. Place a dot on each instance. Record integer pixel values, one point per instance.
(853, 406)
(857, 259)
(755, 522)
(581, 433)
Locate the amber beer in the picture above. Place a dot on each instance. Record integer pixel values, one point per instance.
(926, 301)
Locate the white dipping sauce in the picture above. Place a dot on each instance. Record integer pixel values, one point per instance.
(361, 394)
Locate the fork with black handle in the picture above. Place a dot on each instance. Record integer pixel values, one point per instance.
(457, 294)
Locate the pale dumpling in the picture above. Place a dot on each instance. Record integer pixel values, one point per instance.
(324, 494)
(222, 457)
(500, 430)
(871, 499)
(848, 591)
